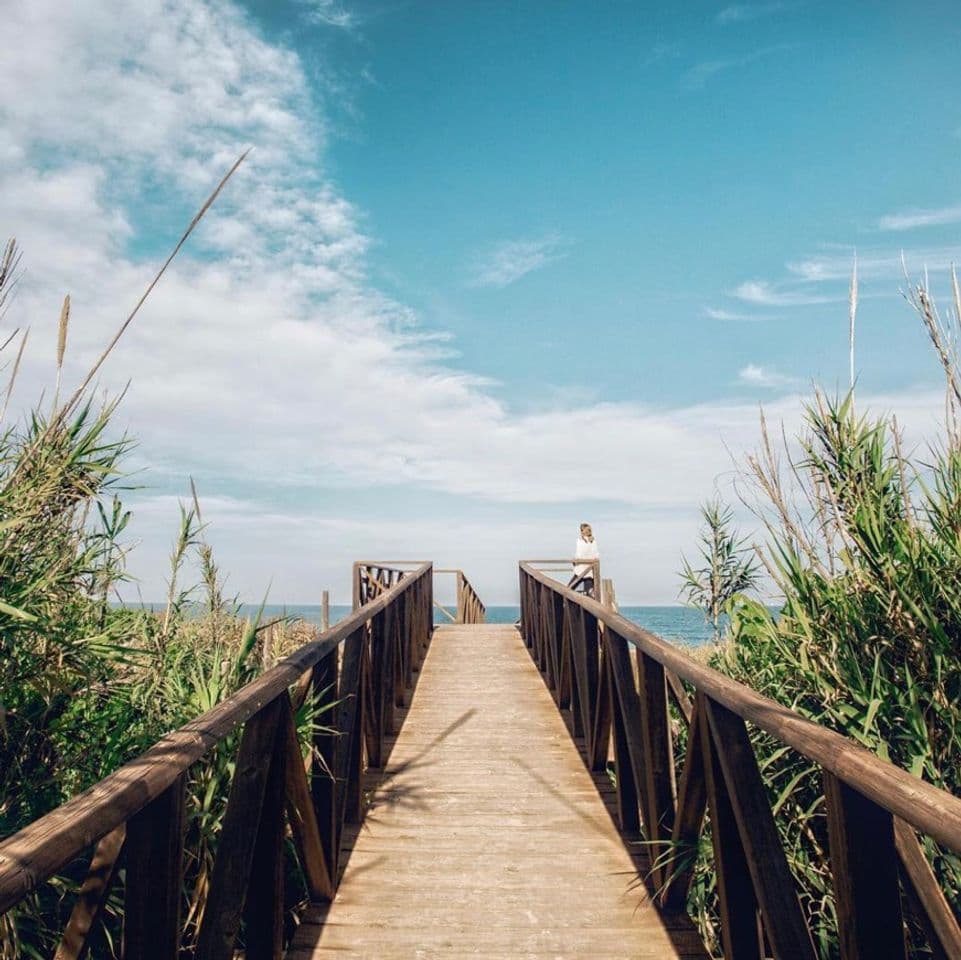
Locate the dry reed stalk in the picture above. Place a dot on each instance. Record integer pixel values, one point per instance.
(852, 314)
(6, 343)
(61, 346)
(13, 376)
(767, 471)
(78, 393)
(8, 271)
(898, 440)
(951, 411)
(60, 416)
(920, 299)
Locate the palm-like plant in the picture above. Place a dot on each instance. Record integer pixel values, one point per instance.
(729, 566)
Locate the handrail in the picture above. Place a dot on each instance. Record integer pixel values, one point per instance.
(383, 641)
(566, 565)
(873, 807)
(371, 577)
(470, 609)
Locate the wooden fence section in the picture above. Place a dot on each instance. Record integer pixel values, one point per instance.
(365, 666)
(372, 577)
(469, 606)
(875, 810)
(588, 583)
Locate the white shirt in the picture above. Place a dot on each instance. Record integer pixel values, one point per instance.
(585, 550)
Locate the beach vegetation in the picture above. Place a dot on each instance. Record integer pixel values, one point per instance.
(729, 568)
(87, 683)
(862, 540)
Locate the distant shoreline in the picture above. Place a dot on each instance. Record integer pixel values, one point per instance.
(685, 626)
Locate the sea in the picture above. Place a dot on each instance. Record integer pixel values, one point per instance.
(681, 625)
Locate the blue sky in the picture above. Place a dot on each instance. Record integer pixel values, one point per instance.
(489, 270)
(659, 158)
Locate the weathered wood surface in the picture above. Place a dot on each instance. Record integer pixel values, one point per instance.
(927, 809)
(487, 836)
(39, 850)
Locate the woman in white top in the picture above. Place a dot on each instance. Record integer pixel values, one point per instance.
(586, 549)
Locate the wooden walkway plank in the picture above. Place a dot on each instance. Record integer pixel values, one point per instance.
(487, 836)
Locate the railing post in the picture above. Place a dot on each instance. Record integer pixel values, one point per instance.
(737, 901)
(303, 821)
(773, 884)
(628, 745)
(407, 642)
(691, 807)
(540, 632)
(659, 786)
(239, 834)
(584, 650)
(154, 850)
(461, 598)
(350, 726)
(264, 902)
(864, 866)
(522, 596)
(556, 640)
(572, 689)
(625, 755)
(603, 709)
(378, 682)
(323, 785)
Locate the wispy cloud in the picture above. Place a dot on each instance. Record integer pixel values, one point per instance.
(757, 376)
(745, 12)
(718, 313)
(835, 263)
(509, 260)
(275, 295)
(765, 294)
(327, 12)
(697, 76)
(910, 219)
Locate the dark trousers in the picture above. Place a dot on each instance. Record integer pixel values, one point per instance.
(583, 584)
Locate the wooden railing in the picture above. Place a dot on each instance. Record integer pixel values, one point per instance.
(470, 609)
(365, 666)
(875, 810)
(567, 568)
(373, 577)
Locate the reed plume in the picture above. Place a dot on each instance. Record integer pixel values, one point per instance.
(61, 346)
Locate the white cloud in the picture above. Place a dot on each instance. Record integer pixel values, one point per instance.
(266, 363)
(910, 219)
(718, 313)
(509, 260)
(873, 264)
(648, 471)
(765, 294)
(328, 12)
(756, 376)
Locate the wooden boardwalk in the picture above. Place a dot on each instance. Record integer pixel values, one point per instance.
(487, 836)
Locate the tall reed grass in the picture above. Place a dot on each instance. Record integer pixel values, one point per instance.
(862, 538)
(85, 684)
